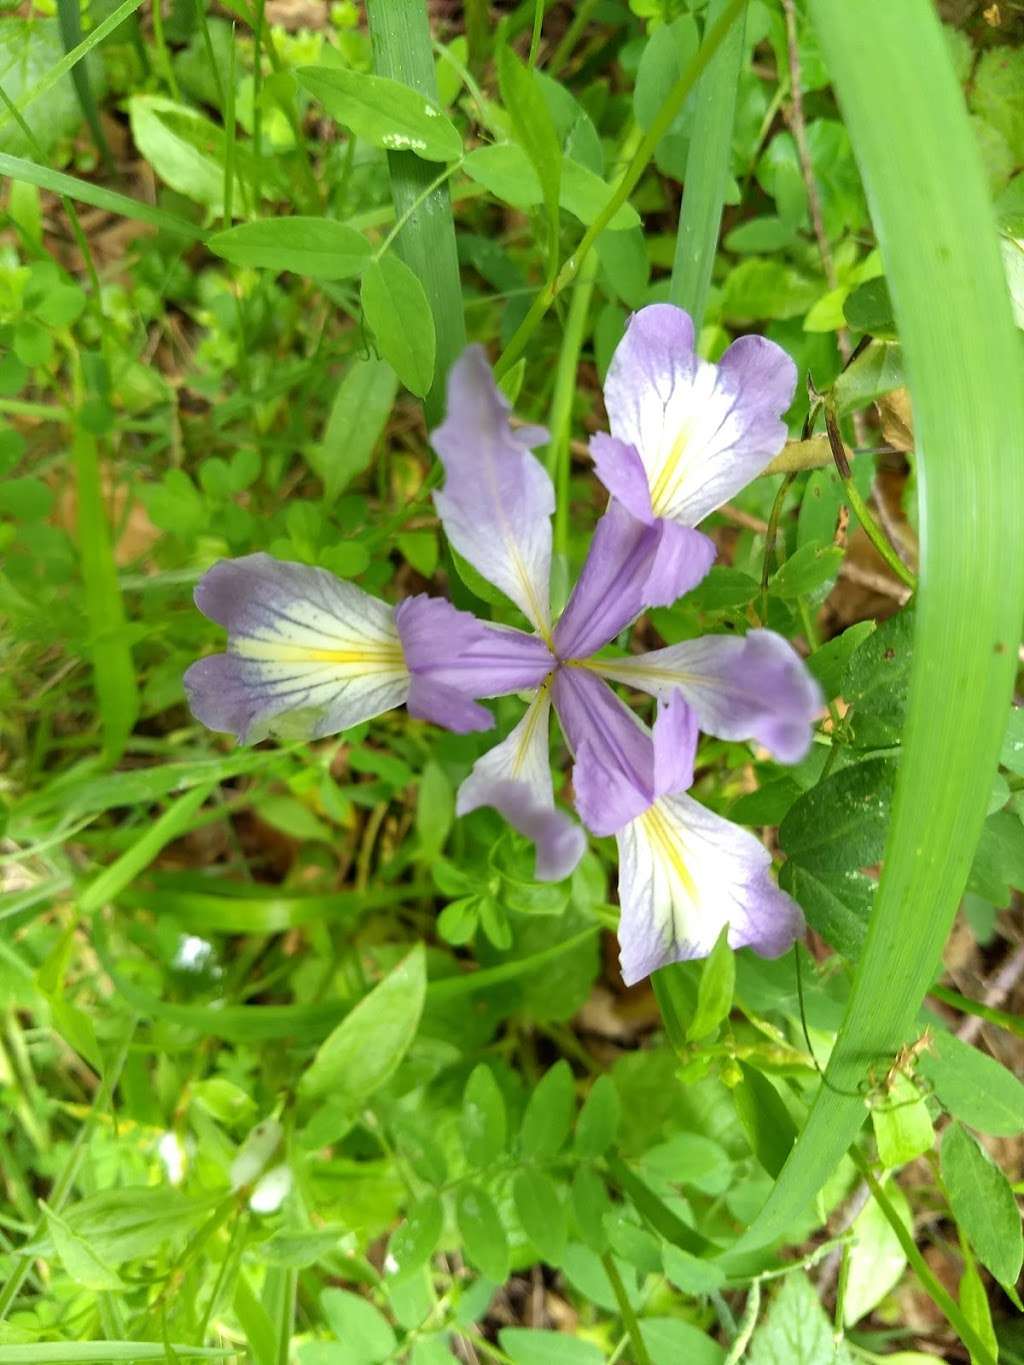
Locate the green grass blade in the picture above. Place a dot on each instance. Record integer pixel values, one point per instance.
(18, 168)
(113, 670)
(402, 51)
(70, 15)
(707, 169)
(71, 59)
(931, 211)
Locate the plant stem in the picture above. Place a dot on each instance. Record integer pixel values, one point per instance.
(673, 103)
(402, 51)
(872, 529)
(943, 1301)
(707, 170)
(640, 1353)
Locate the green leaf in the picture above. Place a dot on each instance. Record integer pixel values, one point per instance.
(869, 307)
(507, 172)
(541, 1212)
(483, 1122)
(396, 308)
(598, 1123)
(535, 131)
(829, 663)
(715, 992)
(837, 904)
(413, 1241)
(973, 1296)
(1012, 753)
(670, 1341)
(383, 112)
(483, 1235)
(320, 248)
(982, 1203)
(103, 1352)
(840, 825)
(359, 413)
(528, 1346)
(79, 1259)
(29, 50)
(590, 1204)
(766, 1121)
(807, 571)
(876, 371)
(548, 1114)
(876, 682)
(997, 94)
(692, 1274)
(877, 1260)
(365, 1049)
(167, 134)
(998, 865)
(365, 1331)
(435, 810)
(797, 1330)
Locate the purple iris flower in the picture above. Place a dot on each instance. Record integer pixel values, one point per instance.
(309, 653)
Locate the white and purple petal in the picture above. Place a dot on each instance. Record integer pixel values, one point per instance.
(685, 873)
(453, 659)
(630, 566)
(497, 499)
(740, 687)
(701, 431)
(515, 778)
(308, 654)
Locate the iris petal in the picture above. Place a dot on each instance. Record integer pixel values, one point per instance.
(684, 873)
(497, 500)
(308, 654)
(701, 431)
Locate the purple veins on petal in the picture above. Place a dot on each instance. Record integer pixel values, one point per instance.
(752, 687)
(497, 499)
(515, 778)
(308, 655)
(700, 431)
(453, 659)
(630, 566)
(684, 873)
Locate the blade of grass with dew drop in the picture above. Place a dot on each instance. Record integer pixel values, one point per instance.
(117, 693)
(400, 32)
(929, 201)
(707, 170)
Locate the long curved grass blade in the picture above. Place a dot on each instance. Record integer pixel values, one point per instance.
(70, 15)
(18, 168)
(402, 51)
(930, 206)
(707, 169)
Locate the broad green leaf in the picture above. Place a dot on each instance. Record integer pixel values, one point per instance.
(79, 1258)
(320, 248)
(483, 1123)
(796, 1330)
(840, 825)
(762, 287)
(359, 413)
(1012, 753)
(982, 1203)
(590, 1204)
(529, 1346)
(670, 1341)
(535, 132)
(413, 1241)
(998, 866)
(29, 50)
(973, 1087)
(766, 1121)
(877, 1260)
(383, 112)
(996, 94)
(367, 1046)
(809, 570)
(541, 1212)
(161, 128)
(364, 1330)
(692, 1274)
(506, 171)
(829, 663)
(973, 1298)
(128, 1224)
(715, 992)
(397, 309)
(869, 307)
(902, 1124)
(598, 1123)
(837, 904)
(876, 682)
(483, 1235)
(435, 810)
(876, 371)
(549, 1113)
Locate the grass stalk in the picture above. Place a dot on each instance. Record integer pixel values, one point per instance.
(402, 51)
(707, 170)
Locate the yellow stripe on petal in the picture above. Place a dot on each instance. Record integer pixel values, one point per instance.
(664, 841)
